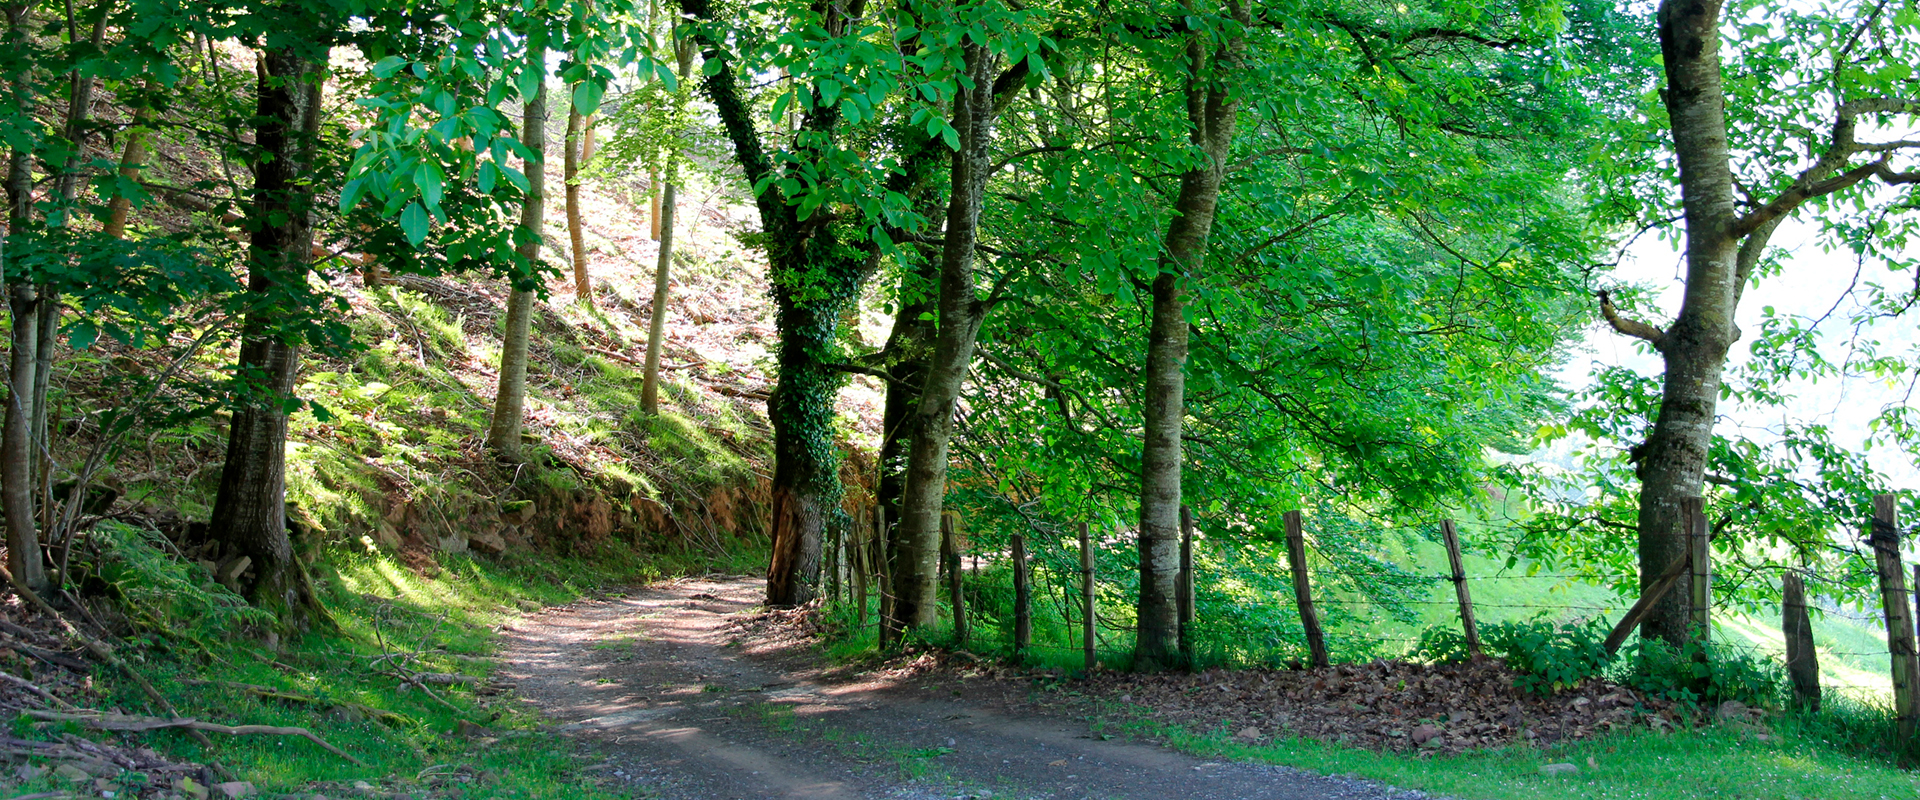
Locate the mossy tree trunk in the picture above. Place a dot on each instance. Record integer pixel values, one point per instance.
(814, 275)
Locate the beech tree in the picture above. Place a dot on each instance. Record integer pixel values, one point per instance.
(1802, 125)
(249, 512)
(1212, 103)
(510, 397)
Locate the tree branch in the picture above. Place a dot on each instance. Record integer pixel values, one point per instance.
(1820, 179)
(1630, 327)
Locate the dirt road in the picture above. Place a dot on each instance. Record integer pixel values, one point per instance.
(683, 707)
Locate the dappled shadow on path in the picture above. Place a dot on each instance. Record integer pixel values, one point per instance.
(660, 684)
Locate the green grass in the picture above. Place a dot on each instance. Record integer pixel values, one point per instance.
(439, 620)
(1795, 763)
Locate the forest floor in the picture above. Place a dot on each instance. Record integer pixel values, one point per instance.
(687, 698)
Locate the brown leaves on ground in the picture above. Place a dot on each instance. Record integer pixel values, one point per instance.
(1384, 705)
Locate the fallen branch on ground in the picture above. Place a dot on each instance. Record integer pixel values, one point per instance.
(270, 693)
(133, 724)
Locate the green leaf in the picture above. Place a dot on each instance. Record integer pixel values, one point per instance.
(413, 222)
(387, 66)
(586, 97)
(432, 183)
(81, 334)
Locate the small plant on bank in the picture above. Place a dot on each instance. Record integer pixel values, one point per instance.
(1715, 673)
(1546, 656)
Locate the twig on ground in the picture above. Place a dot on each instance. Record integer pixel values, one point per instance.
(35, 688)
(270, 693)
(126, 723)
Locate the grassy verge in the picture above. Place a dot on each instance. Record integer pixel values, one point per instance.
(1800, 758)
(462, 740)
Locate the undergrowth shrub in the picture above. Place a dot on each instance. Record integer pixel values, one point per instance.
(1714, 674)
(1546, 656)
(169, 598)
(1551, 657)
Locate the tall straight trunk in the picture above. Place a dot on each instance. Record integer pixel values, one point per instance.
(910, 343)
(657, 324)
(510, 402)
(66, 189)
(908, 349)
(249, 513)
(16, 438)
(663, 271)
(16, 441)
(1210, 119)
(813, 276)
(1673, 460)
(582, 283)
(916, 541)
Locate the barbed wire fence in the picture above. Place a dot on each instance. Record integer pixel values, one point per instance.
(1266, 629)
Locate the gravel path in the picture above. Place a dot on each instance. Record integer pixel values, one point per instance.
(683, 707)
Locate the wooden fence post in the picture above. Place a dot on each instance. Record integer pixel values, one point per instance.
(1452, 538)
(1700, 584)
(1653, 593)
(1803, 665)
(1086, 595)
(1183, 588)
(834, 547)
(1022, 597)
(858, 564)
(882, 577)
(956, 589)
(1303, 591)
(1885, 538)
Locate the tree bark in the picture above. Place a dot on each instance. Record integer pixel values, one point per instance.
(24, 559)
(132, 159)
(582, 283)
(908, 348)
(813, 276)
(1211, 111)
(1673, 459)
(916, 541)
(249, 513)
(657, 324)
(510, 402)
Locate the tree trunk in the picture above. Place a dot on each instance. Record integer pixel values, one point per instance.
(916, 541)
(1210, 117)
(16, 449)
(510, 402)
(132, 159)
(653, 206)
(657, 325)
(16, 442)
(813, 276)
(249, 513)
(908, 349)
(582, 284)
(1673, 459)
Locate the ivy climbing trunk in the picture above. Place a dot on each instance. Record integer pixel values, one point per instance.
(916, 540)
(250, 510)
(813, 275)
(510, 401)
(1211, 107)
